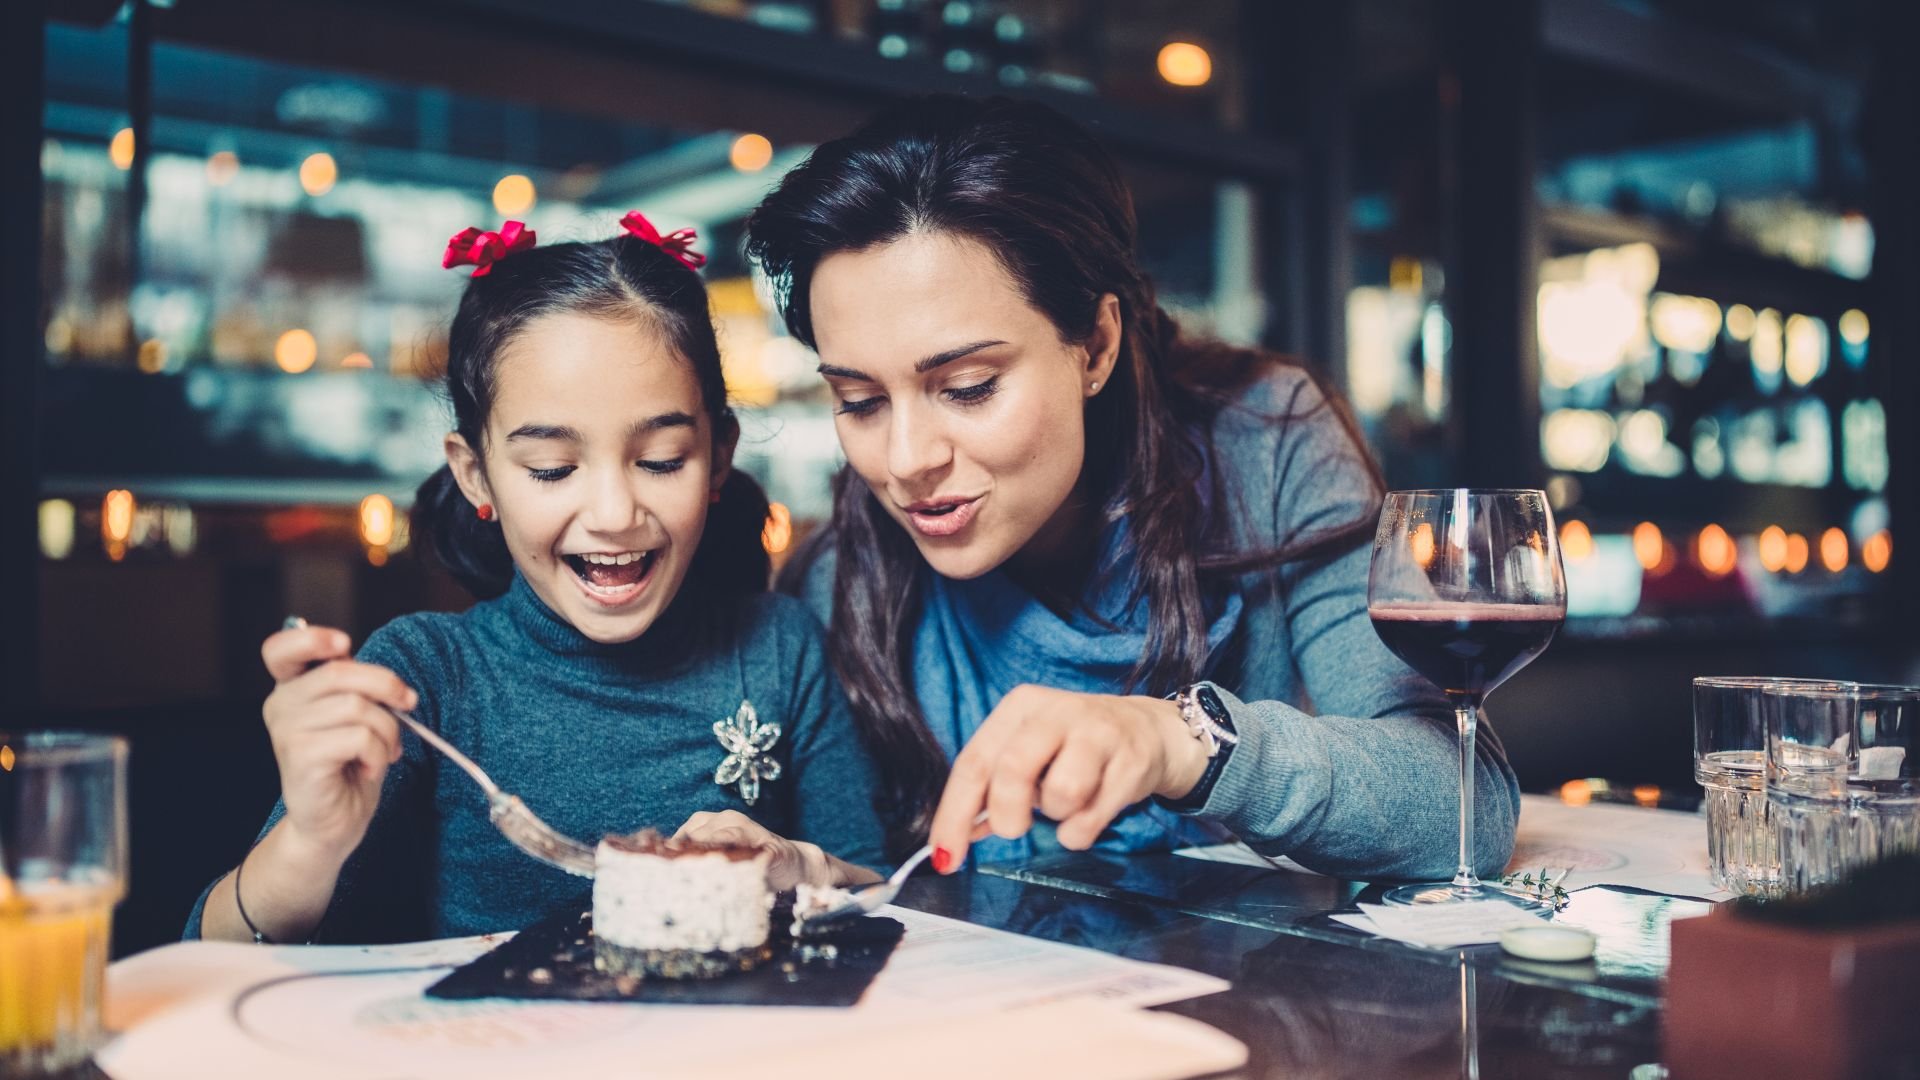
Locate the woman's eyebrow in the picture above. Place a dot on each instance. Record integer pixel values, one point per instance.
(920, 367)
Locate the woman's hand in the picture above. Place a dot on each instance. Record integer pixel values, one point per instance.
(1080, 759)
(331, 737)
(791, 862)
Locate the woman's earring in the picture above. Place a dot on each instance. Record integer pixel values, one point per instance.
(1094, 387)
(484, 511)
(713, 498)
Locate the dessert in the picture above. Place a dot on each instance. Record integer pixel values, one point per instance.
(678, 909)
(812, 902)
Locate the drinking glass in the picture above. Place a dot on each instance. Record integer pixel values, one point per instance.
(63, 866)
(1466, 587)
(1883, 785)
(1729, 761)
(1843, 782)
(1810, 751)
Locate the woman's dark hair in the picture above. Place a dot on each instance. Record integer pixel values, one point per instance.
(1038, 191)
(620, 278)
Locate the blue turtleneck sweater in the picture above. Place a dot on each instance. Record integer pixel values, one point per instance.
(597, 739)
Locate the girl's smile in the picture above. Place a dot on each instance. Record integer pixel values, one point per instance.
(599, 459)
(614, 579)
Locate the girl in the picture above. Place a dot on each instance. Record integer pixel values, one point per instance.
(588, 500)
(1074, 552)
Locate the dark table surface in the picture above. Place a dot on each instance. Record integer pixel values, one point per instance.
(1313, 999)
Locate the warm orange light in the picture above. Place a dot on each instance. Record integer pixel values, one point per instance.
(514, 194)
(1648, 545)
(1798, 552)
(751, 153)
(6, 758)
(318, 174)
(1716, 551)
(376, 520)
(1833, 550)
(1183, 63)
(296, 351)
(1576, 541)
(120, 150)
(1422, 543)
(777, 533)
(1576, 793)
(1773, 549)
(116, 522)
(1877, 552)
(1647, 794)
(356, 360)
(376, 556)
(222, 167)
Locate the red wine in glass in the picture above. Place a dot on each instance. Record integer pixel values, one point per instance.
(1466, 587)
(1465, 649)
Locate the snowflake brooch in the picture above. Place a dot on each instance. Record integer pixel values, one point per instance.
(749, 746)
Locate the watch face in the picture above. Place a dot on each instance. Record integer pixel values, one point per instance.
(1215, 709)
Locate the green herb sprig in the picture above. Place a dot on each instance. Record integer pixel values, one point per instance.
(1544, 887)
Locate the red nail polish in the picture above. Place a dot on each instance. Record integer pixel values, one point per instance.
(942, 860)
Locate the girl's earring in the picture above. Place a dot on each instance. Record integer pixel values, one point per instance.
(713, 498)
(1094, 388)
(484, 511)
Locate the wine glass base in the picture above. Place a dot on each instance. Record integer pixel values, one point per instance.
(1443, 892)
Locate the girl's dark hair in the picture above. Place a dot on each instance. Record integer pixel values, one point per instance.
(1038, 191)
(620, 278)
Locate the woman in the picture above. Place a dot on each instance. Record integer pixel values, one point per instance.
(1058, 514)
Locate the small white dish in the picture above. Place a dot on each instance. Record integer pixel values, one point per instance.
(1555, 944)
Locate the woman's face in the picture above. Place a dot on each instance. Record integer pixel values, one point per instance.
(958, 403)
(599, 461)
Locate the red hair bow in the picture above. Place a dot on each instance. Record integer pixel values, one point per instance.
(678, 243)
(472, 247)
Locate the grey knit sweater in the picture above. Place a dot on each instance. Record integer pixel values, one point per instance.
(597, 739)
(1347, 760)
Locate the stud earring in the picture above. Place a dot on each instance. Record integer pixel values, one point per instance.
(484, 511)
(1094, 387)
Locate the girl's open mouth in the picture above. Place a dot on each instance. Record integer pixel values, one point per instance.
(613, 578)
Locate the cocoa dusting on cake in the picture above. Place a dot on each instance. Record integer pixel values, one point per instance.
(653, 842)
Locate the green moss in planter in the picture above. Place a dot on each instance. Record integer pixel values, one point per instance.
(1879, 893)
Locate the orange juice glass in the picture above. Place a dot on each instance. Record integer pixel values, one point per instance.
(63, 859)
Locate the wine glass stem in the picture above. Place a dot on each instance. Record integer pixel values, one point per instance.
(1467, 718)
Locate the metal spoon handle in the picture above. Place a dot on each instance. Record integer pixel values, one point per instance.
(432, 738)
(427, 734)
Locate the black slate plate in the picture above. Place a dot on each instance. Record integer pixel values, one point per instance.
(553, 960)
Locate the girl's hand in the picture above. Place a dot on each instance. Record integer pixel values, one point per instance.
(791, 862)
(331, 738)
(1080, 759)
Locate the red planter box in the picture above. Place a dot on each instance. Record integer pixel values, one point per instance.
(1747, 998)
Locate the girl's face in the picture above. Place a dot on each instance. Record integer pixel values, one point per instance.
(599, 462)
(958, 403)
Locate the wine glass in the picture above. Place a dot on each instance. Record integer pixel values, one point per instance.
(1467, 588)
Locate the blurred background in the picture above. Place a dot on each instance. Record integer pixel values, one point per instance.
(1656, 257)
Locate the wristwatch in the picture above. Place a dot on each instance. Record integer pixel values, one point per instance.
(1210, 722)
